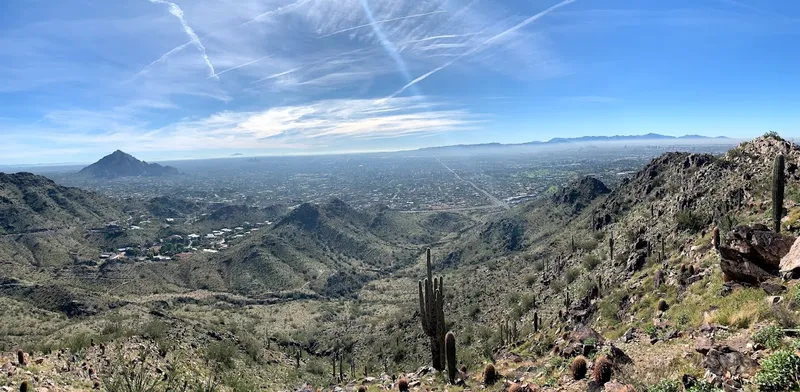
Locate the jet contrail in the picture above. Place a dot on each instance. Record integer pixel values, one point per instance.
(178, 12)
(162, 58)
(381, 21)
(238, 66)
(387, 45)
(255, 19)
(438, 37)
(478, 47)
(275, 11)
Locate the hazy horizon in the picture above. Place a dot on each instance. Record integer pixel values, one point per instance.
(677, 140)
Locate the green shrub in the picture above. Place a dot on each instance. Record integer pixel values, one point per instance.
(703, 386)
(690, 221)
(666, 386)
(773, 135)
(779, 372)
(572, 274)
(796, 296)
(222, 353)
(590, 262)
(769, 336)
(155, 329)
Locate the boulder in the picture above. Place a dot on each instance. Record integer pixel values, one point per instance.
(724, 361)
(790, 264)
(703, 344)
(636, 260)
(615, 386)
(584, 333)
(753, 254)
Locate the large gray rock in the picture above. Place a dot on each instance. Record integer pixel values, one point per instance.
(753, 254)
(790, 264)
(724, 360)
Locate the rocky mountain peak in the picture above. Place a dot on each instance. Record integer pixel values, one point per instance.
(581, 192)
(121, 164)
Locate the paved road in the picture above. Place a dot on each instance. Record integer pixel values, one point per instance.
(497, 202)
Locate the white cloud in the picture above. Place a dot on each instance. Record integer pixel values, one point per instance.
(291, 128)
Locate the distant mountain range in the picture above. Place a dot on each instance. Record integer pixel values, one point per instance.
(652, 137)
(120, 164)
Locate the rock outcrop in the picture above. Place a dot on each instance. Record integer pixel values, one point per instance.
(753, 254)
(790, 264)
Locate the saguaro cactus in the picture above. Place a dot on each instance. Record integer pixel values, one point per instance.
(450, 350)
(777, 192)
(611, 246)
(431, 309)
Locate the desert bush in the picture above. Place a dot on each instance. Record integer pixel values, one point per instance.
(590, 262)
(690, 221)
(155, 329)
(703, 386)
(796, 296)
(222, 353)
(773, 135)
(131, 377)
(770, 336)
(572, 274)
(779, 372)
(666, 386)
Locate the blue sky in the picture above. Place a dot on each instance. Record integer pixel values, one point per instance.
(208, 78)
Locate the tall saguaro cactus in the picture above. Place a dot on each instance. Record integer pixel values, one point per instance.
(431, 309)
(611, 246)
(777, 192)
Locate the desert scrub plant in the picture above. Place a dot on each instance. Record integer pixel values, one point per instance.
(135, 376)
(666, 386)
(222, 353)
(690, 221)
(779, 372)
(704, 386)
(590, 262)
(572, 274)
(795, 297)
(770, 336)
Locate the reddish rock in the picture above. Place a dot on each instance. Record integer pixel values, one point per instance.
(753, 254)
(615, 386)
